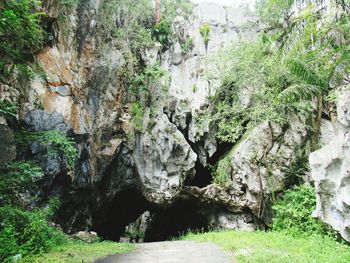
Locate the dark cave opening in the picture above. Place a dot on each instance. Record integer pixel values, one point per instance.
(183, 215)
(110, 221)
(203, 176)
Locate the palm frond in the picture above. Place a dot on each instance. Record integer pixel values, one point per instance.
(299, 92)
(305, 74)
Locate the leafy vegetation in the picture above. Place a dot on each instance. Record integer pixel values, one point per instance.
(276, 247)
(293, 213)
(161, 32)
(17, 178)
(137, 113)
(251, 83)
(298, 60)
(187, 45)
(204, 30)
(8, 109)
(24, 232)
(23, 229)
(20, 33)
(55, 141)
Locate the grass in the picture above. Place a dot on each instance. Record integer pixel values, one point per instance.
(80, 252)
(276, 247)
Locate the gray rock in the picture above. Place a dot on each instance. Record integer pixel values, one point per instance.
(163, 160)
(63, 91)
(39, 120)
(87, 236)
(330, 168)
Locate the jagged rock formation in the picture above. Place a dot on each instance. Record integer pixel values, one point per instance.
(121, 172)
(330, 172)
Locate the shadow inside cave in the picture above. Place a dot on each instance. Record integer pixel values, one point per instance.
(166, 222)
(110, 221)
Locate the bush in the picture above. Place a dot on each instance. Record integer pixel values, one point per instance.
(204, 30)
(26, 232)
(23, 231)
(293, 213)
(17, 181)
(137, 112)
(54, 140)
(8, 109)
(20, 31)
(161, 32)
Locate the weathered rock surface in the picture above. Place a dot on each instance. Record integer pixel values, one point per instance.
(163, 160)
(122, 172)
(330, 172)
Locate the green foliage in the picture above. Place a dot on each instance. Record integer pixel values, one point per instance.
(291, 65)
(68, 3)
(20, 32)
(8, 109)
(26, 232)
(16, 179)
(204, 30)
(252, 77)
(293, 213)
(55, 141)
(161, 32)
(172, 8)
(137, 113)
(134, 20)
(274, 12)
(187, 46)
(22, 231)
(295, 172)
(149, 85)
(221, 172)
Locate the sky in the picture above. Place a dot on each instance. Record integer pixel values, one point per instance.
(226, 2)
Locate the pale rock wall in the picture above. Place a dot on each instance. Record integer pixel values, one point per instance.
(330, 168)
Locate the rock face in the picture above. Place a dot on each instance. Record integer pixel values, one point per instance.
(121, 171)
(163, 160)
(82, 93)
(330, 172)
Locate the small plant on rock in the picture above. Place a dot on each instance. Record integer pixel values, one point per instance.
(204, 30)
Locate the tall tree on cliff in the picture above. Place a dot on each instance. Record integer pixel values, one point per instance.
(157, 11)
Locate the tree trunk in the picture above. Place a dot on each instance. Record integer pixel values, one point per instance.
(157, 11)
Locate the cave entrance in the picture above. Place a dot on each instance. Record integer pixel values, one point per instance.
(110, 221)
(203, 176)
(182, 216)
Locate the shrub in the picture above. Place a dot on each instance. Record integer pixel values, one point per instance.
(20, 31)
(137, 112)
(22, 231)
(222, 171)
(17, 178)
(161, 32)
(8, 109)
(204, 30)
(293, 212)
(187, 46)
(54, 140)
(26, 232)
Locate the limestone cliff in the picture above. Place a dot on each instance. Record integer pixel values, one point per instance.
(160, 164)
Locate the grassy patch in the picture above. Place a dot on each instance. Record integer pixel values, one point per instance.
(78, 252)
(276, 247)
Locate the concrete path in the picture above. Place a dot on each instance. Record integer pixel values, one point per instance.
(172, 252)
